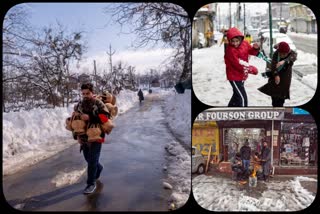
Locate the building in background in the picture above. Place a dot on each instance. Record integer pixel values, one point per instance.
(203, 22)
(290, 132)
(302, 19)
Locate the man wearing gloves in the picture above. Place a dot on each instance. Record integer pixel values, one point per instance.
(237, 67)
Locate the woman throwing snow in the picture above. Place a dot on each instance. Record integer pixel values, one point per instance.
(237, 67)
(278, 86)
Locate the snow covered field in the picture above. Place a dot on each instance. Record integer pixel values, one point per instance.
(221, 194)
(212, 88)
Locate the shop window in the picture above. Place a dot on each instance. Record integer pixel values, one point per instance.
(235, 138)
(298, 144)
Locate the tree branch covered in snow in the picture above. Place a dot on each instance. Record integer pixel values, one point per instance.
(158, 23)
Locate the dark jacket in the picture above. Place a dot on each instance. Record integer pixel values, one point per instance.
(266, 160)
(233, 56)
(236, 164)
(140, 94)
(245, 152)
(265, 154)
(282, 90)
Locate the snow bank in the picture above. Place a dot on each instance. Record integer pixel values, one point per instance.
(31, 136)
(178, 111)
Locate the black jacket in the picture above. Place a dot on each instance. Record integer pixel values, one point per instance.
(282, 90)
(265, 154)
(245, 152)
(140, 94)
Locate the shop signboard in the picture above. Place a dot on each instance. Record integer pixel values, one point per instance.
(250, 114)
(204, 136)
(299, 111)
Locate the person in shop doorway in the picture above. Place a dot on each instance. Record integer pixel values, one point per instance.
(245, 152)
(266, 161)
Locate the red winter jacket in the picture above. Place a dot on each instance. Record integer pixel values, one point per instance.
(234, 56)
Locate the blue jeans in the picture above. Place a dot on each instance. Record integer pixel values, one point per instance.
(91, 153)
(246, 164)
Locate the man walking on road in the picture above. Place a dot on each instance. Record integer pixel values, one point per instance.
(93, 111)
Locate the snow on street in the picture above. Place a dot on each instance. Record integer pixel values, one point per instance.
(24, 147)
(212, 88)
(224, 194)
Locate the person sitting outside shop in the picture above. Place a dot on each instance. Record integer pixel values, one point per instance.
(237, 167)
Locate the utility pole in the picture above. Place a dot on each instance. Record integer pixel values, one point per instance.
(219, 21)
(110, 53)
(270, 27)
(280, 14)
(244, 18)
(230, 21)
(239, 15)
(95, 73)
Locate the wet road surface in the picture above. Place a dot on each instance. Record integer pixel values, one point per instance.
(305, 44)
(133, 157)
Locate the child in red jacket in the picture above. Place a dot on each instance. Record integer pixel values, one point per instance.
(237, 66)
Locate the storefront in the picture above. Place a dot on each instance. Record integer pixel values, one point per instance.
(292, 136)
(205, 136)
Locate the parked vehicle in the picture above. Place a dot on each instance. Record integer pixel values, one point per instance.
(198, 161)
(254, 33)
(217, 37)
(267, 30)
(202, 41)
(277, 37)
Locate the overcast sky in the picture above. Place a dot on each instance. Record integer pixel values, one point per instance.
(99, 32)
(251, 8)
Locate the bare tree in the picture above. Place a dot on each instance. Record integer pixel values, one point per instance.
(15, 38)
(158, 23)
(52, 54)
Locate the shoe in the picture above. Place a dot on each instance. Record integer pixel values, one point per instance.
(89, 189)
(99, 172)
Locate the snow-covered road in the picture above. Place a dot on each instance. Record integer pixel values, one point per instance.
(138, 156)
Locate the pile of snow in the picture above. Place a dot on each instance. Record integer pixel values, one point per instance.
(211, 86)
(309, 80)
(177, 108)
(178, 114)
(31, 136)
(306, 59)
(179, 173)
(215, 193)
